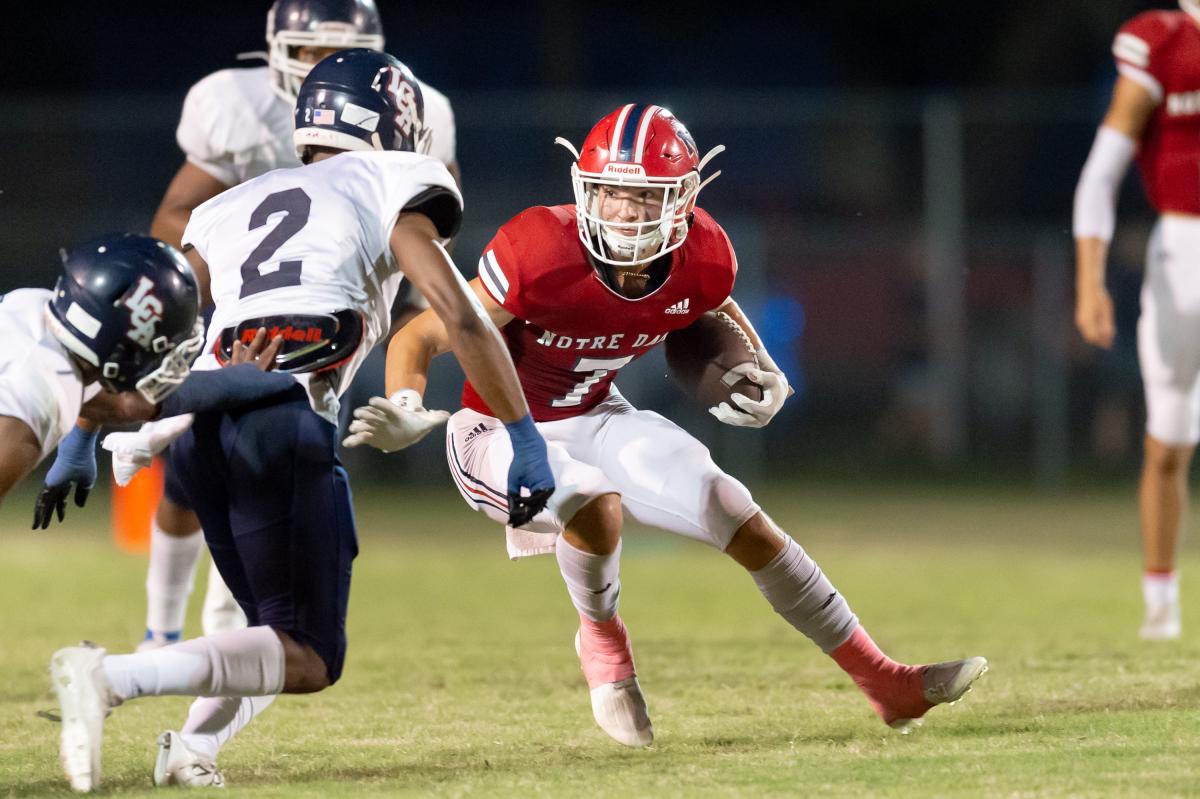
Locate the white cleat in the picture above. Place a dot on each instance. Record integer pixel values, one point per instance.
(178, 765)
(84, 699)
(620, 710)
(943, 684)
(1162, 623)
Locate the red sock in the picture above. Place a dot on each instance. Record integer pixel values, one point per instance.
(604, 651)
(893, 689)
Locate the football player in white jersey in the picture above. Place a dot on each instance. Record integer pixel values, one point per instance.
(237, 125)
(315, 254)
(122, 318)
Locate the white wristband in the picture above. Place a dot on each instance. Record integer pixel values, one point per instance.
(407, 398)
(1099, 182)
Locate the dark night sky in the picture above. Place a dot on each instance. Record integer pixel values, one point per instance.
(922, 43)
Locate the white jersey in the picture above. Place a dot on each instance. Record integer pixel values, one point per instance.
(39, 383)
(314, 239)
(235, 127)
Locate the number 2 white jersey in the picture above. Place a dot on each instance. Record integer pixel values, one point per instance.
(314, 239)
(39, 384)
(235, 127)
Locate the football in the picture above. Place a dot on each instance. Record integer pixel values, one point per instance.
(701, 354)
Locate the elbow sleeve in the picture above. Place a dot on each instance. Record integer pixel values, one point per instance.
(1096, 193)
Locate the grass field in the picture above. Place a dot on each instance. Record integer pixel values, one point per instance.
(461, 678)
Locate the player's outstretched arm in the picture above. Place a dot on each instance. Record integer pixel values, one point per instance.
(1094, 217)
(481, 352)
(19, 452)
(745, 412)
(401, 419)
(468, 329)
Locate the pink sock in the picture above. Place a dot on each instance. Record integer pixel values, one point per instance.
(604, 651)
(893, 689)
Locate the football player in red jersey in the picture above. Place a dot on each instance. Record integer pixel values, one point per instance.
(1154, 116)
(578, 292)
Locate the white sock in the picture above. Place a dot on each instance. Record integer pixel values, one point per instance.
(247, 662)
(799, 592)
(1160, 589)
(169, 579)
(213, 720)
(592, 580)
(221, 611)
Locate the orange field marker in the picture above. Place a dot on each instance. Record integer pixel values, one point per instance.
(133, 508)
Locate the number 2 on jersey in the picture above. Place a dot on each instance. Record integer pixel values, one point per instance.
(599, 368)
(294, 204)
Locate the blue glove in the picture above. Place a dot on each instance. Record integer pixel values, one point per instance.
(75, 465)
(529, 470)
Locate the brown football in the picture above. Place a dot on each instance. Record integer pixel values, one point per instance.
(701, 354)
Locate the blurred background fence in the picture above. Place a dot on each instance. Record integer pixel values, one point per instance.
(907, 256)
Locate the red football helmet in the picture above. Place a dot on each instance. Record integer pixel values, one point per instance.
(637, 146)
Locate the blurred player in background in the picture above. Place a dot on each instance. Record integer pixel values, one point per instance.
(236, 125)
(317, 251)
(579, 292)
(1154, 116)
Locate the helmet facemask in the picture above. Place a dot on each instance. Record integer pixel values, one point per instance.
(288, 72)
(610, 241)
(174, 368)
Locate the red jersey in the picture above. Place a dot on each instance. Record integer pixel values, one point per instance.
(572, 332)
(1161, 51)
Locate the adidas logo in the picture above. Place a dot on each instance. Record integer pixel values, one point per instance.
(680, 307)
(475, 431)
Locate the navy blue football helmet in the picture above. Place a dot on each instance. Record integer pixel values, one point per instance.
(129, 306)
(337, 24)
(360, 100)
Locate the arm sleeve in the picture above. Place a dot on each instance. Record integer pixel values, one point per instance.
(199, 131)
(223, 389)
(1096, 194)
(1137, 48)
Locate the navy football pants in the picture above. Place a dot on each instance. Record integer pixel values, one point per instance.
(274, 502)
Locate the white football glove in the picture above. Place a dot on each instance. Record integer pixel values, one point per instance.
(134, 451)
(392, 424)
(745, 412)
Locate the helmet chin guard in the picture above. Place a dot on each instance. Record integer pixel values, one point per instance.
(637, 147)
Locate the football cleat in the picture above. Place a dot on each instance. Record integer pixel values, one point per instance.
(618, 705)
(942, 684)
(178, 765)
(1161, 623)
(84, 699)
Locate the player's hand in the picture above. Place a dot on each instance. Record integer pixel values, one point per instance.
(1094, 317)
(530, 480)
(135, 451)
(741, 411)
(74, 466)
(259, 351)
(392, 424)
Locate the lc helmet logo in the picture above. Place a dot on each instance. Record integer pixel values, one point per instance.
(127, 306)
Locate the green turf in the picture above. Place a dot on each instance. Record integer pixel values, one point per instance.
(461, 679)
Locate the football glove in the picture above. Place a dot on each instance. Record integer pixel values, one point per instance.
(134, 451)
(74, 466)
(394, 423)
